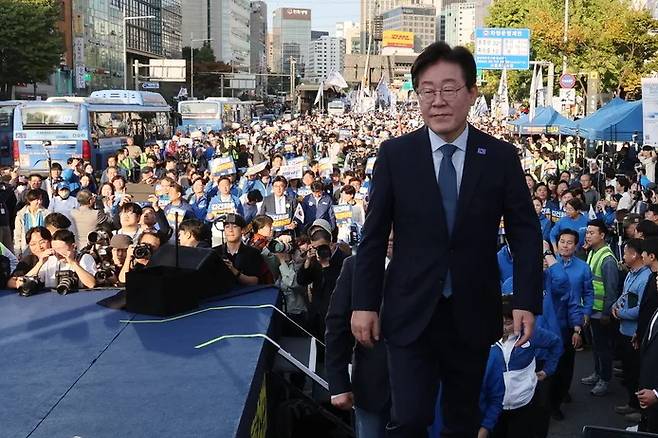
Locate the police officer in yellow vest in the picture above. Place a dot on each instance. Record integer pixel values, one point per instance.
(605, 278)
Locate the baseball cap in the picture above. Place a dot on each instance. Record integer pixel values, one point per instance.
(120, 241)
(236, 219)
(319, 224)
(63, 186)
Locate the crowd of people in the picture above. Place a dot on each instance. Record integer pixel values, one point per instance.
(284, 203)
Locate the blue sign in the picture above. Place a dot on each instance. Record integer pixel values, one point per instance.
(496, 48)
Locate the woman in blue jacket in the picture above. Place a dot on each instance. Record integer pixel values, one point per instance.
(573, 220)
(544, 222)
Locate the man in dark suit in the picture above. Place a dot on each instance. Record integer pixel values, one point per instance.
(441, 299)
(368, 391)
(279, 203)
(648, 393)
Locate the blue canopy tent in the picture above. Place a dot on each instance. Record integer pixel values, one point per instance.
(546, 121)
(619, 123)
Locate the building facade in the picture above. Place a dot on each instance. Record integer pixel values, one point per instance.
(258, 43)
(326, 54)
(420, 20)
(226, 22)
(291, 38)
(460, 23)
(351, 31)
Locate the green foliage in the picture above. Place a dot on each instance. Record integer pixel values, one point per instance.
(207, 83)
(604, 36)
(30, 43)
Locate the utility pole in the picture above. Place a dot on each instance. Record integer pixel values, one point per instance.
(566, 33)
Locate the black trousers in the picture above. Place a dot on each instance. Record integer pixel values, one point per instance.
(415, 371)
(631, 364)
(561, 380)
(542, 408)
(516, 423)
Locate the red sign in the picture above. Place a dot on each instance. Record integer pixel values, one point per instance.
(567, 81)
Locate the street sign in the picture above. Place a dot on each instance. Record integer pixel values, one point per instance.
(567, 81)
(80, 73)
(496, 49)
(568, 96)
(243, 81)
(150, 85)
(167, 70)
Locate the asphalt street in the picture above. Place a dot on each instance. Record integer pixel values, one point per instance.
(586, 409)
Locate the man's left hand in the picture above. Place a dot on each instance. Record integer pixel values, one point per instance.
(646, 397)
(524, 324)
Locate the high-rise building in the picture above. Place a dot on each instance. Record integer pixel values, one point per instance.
(460, 23)
(226, 22)
(258, 42)
(291, 38)
(317, 34)
(326, 54)
(351, 31)
(420, 20)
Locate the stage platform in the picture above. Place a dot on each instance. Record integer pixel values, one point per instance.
(70, 368)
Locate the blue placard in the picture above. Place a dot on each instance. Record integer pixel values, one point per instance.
(498, 48)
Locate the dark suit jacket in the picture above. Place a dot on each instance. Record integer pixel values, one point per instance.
(268, 206)
(492, 186)
(369, 369)
(648, 306)
(649, 360)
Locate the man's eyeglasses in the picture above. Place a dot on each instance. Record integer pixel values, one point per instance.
(447, 94)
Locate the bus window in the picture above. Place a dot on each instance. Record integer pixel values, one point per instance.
(60, 117)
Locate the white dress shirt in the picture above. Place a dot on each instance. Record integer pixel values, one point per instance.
(458, 157)
(280, 204)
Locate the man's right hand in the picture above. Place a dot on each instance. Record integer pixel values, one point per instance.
(343, 401)
(365, 327)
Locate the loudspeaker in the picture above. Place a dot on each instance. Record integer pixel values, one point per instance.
(163, 289)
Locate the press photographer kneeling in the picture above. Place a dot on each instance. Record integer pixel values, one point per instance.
(138, 256)
(62, 268)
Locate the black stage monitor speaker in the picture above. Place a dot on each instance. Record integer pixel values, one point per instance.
(163, 289)
(605, 432)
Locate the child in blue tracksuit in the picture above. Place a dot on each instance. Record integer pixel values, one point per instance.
(521, 375)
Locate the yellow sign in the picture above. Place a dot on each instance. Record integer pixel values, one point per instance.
(259, 423)
(397, 38)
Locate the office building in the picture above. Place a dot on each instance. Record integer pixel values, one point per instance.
(270, 52)
(317, 34)
(420, 20)
(351, 31)
(326, 54)
(291, 38)
(460, 23)
(226, 22)
(258, 43)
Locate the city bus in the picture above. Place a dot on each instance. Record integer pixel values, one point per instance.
(115, 115)
(213, 114)
(7, 130)
(91, 128)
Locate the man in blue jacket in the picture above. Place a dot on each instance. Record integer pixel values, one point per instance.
(579, 309)
(318, 205)
(627, 310)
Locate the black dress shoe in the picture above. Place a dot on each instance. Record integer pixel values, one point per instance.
(557, 415)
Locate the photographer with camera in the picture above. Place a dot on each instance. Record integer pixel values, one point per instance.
(245, 262)
(320, 269)
(38, 239)
(62, 261)
(138, 256)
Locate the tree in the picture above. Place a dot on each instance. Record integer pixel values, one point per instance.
(604, 36)
(207, 82)
(30, 43)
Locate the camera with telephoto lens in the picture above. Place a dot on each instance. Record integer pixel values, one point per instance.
(98, 237)
(323, 252)
(67, 282)
(104, 271)
(278, 247)
(143, 251)
(31, 285)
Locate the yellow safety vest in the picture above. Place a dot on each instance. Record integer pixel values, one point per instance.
(595, 261)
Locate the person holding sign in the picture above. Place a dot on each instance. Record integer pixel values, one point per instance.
(278, 203)
(224, 202)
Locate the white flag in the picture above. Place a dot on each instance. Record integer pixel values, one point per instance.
(533, 95)
(541, 92)
(299, 213)
(503, 102)
(335, 79)
(318, 97)
(592, 214)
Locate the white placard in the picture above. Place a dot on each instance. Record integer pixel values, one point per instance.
(650, 110)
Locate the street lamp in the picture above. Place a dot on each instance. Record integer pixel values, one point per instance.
(125, 48)
(192, 41)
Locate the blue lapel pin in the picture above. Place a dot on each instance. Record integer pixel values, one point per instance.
(482, 151)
